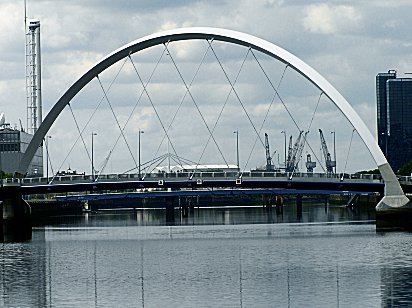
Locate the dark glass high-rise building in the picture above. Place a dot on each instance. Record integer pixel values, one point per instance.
(394, 117)
(381, 101)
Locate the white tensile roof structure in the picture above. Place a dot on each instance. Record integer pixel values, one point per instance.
(199, 168)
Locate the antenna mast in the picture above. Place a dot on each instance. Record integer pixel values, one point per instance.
(25, 16)
(33, 73)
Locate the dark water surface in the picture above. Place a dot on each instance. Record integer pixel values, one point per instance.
(326, 257)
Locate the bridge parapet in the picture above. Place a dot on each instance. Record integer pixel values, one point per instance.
(312, 177)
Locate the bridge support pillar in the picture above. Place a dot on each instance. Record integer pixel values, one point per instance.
(184, 207)
(16, 219)
(185, 211)
(394, 210)
(299, 207)
(170, 210)
(267, 202)
(279, 205)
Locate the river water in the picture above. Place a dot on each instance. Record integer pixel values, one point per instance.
(250, 257)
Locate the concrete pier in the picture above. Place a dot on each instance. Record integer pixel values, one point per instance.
(396, 219)
(279, 205)
(267, 202)
(170, 210)
(16, 220)
(299, 207)
(394, 211)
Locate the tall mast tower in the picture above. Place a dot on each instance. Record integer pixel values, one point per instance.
(33, 76)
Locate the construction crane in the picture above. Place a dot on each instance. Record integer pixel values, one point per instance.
(290, 152)
(300, 150)
(295, 152)
(269, 164)
(310, 165)
(330, 164)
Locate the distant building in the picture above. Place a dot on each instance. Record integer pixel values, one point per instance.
(197, 168)
(381, 100)
(394, 117)
(13, 144)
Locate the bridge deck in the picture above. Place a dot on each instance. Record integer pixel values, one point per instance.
(178, 176)
(189, 193)
(199, 184)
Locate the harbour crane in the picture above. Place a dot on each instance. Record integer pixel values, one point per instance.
(330, 164)
(310, 165)
(290, 152)
(300, 150)
(269, 164)
(295, 152)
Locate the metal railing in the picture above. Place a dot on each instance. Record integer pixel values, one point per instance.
(78, 178)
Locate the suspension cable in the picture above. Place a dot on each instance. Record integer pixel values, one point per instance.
(284, 105)
(314, 112)
(264, 120)
(347, 155)
(153, 106)
(117, 122)
(223, 107)
(88, 121)
(48, 159)
(182, 100)
(237, 96)
(79, 137)
(162, 157)
(309, 127)
(197, 107)
(133, 110)
(151, 102)
(277, 93)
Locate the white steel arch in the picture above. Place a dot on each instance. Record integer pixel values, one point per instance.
(230, 36)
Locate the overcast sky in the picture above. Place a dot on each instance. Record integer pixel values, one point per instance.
(348, 42)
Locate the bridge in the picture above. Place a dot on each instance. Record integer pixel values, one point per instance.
(256, 116)
(308, 182)
(209, 175)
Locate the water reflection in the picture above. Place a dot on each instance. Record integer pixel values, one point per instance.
(396, 276)
(15, 231)
(214, 257)
(310, 212)
(396, 287)
(23, 273)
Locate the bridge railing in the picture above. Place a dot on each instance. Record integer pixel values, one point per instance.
(204, 175)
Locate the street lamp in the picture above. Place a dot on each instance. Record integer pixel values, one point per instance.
(386, 135)
(93, 134)
(140, 132)
(334, 147)
(284, 132)
(237, 149)
(168, 154)
(47, 157)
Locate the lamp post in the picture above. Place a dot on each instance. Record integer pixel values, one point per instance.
(237, 149)
(334, 147)
(386, 135)
(140, 132)
(168, 154)
(284, 132)
(386, 143)
(93, 134)
(47, 158)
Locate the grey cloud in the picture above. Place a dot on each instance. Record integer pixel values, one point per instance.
(75, 34)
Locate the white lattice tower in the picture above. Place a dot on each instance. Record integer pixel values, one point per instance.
(33, 76)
